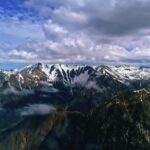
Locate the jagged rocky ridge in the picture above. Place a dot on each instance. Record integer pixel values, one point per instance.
(63, 107)
(43, 80)
(121, 123)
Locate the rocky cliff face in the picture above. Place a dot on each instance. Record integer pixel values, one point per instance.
(121, 123)
(43, 132)
(63, 107)
(43, 75)
(43, 81)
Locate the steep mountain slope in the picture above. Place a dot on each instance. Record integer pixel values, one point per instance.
(94, 108)
(34, 75)
(34, 132)
(121, 123)
(41, 81)
(63, 84)
(28, 134)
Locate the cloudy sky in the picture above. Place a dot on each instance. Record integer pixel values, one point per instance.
(75, 31)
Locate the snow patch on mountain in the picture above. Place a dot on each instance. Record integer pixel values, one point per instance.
(132, 72)
(46, 75)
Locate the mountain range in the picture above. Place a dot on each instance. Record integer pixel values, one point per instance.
(58, 106)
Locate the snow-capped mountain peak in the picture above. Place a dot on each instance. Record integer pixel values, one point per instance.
(33, 75)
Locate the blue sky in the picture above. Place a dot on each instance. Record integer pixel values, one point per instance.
(11, 4)
(79, 31)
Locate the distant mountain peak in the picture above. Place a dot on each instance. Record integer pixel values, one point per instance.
(70, 75)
